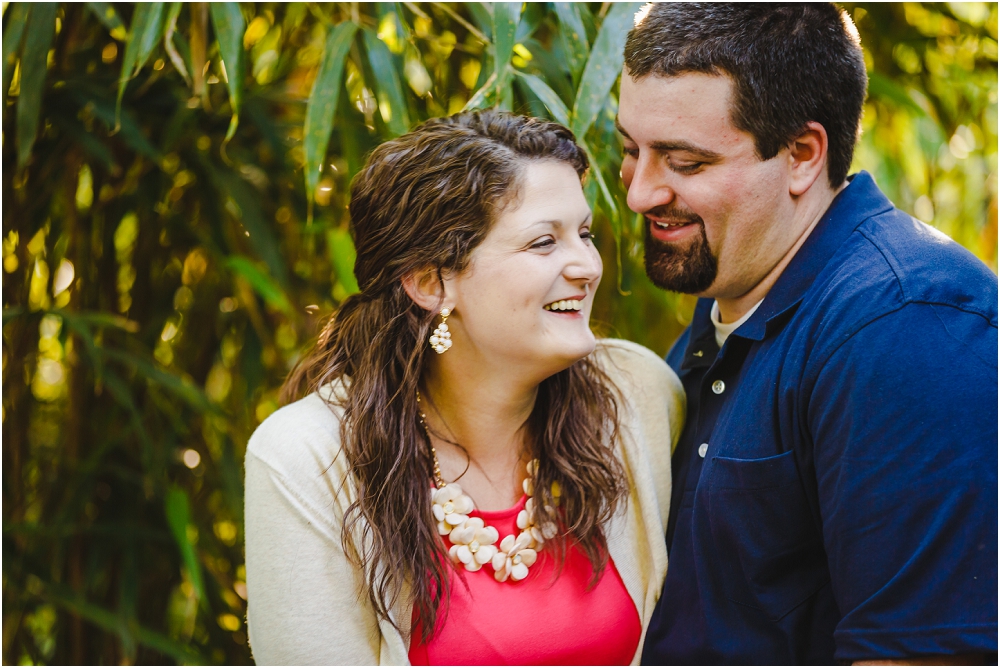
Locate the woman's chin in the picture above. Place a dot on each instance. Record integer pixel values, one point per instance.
(569, 352)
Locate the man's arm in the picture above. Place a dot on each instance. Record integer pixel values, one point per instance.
(975, 659)
(904, 420)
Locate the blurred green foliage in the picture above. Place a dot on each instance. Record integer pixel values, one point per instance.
(175, 182)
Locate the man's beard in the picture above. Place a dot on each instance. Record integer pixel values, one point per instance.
(690, 269)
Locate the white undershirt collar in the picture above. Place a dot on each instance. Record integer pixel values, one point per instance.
(723, 330)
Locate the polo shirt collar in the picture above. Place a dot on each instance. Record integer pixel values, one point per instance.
(860, 200)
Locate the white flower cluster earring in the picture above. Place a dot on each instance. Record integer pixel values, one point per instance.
(441, 338)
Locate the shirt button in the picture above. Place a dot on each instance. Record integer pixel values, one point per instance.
(718, 387)
(702, 450)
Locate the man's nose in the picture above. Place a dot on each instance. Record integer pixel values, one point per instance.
(647, 185)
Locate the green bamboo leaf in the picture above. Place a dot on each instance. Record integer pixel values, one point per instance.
(176, 58)
(485, 96)
(611, 207)
(41, 28)
(128, 128)
(180, 387)
(387, 81)
(18, 18)
(603, 66)
(264, 285)
(110, 621)
(506, 16)
(886, 89)
(229, 28)
(548, 97)
(179, 518)
(322, 104)
(106, 14)
(144, 34)
(573, 35)
(481, 15)
(251, 217)
(342, 256)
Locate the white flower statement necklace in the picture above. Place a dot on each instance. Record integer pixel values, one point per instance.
(473, 542)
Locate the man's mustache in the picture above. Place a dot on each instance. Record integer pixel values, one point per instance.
(672, 214)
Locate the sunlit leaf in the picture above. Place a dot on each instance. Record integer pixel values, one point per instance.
(506, 16)
(548, 96)
(882, 87)
(251, 217)
(144, 33)
(41, 28)
(603, 66)
(263, 284)
(343, 255)
(17, 19)
(178, 512)
(106, 14)
(573, 36)
(485, 96)
(323, 102)
(229, 28)
(108, 620)
(387, 81)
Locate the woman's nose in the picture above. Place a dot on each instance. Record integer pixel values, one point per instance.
(585, 263)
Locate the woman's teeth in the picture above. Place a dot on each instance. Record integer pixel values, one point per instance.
(564, 305)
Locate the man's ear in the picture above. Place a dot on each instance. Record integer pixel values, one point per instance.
(426, 287)
(807, 156)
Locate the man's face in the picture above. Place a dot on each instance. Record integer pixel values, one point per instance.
(713, 209)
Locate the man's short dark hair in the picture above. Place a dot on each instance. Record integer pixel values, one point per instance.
(790, 64)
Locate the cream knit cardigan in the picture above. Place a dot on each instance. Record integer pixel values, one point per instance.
(305, 599)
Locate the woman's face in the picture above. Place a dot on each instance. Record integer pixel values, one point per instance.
(525, 298)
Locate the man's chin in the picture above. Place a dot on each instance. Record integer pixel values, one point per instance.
(680, 274)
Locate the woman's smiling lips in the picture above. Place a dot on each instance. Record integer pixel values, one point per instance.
(571, 306)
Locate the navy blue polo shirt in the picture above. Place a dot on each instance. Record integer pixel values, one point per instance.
(835, 485)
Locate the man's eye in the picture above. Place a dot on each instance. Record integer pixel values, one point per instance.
(630, 152)
(686, 167)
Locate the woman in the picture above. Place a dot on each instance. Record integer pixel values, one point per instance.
(473, 478)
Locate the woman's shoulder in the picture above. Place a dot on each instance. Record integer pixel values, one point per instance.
(649, 388)
(634, 367)
(300, 441)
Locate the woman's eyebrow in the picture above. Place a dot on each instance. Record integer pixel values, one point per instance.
(557, 222)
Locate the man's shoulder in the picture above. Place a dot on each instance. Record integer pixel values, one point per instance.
(929, 266)
(893, 260)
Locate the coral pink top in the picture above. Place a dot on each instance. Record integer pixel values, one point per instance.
(537, 621)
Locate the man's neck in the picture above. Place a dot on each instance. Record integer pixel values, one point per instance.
(811, 212)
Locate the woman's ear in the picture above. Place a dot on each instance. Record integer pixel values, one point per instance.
(426, 287)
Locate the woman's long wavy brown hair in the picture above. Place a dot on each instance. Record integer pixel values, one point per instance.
(428, 199)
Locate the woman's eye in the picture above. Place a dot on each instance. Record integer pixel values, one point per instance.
(543, 243)
(588, 236)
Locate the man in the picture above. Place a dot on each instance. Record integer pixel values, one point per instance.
(835, 487)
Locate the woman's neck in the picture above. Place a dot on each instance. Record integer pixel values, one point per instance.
(484, 414)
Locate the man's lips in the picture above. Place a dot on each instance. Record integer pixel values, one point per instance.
(671, 229)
